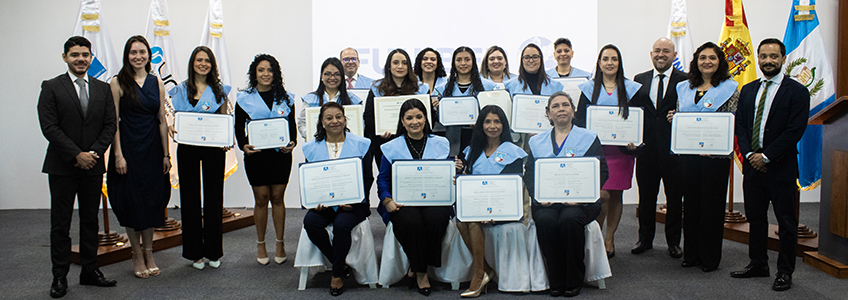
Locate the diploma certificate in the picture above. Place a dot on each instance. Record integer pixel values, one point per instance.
(498, 98)
(362, 94)
(570, 86)
(202, 129)
(458, 111)
(331, 182)
(702, 133)
(528, 114)
(268, 133)
(573, 179)
(489, 198)
(352, 112)
(387, 109)
(423, 182)
(611, 128)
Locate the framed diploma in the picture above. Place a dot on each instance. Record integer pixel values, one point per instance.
(573, 179)
(611, 128)
(362, 94)
(528, 114)
(387, 109)
(702, 133)
(203, 129)
(499, 98)
(331, 182)
(352, 112)
(458, 111)
(423, 182)
(569, 86)
(268, 133)
(489, 198)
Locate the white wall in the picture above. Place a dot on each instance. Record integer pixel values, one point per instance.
(34, 31)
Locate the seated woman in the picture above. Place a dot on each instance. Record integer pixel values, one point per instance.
(331, 142)
(419, 229)
(560, 226)
(491, 152)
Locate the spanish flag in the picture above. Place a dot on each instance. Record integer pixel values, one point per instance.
(735, 41)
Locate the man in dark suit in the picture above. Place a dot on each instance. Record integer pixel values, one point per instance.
(77, 116)
(770, 120)
(655, 161)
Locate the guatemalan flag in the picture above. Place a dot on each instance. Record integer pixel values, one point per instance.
(807, 63)
(678, 32)
(90, 25)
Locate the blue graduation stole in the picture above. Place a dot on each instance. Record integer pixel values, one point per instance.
(206, 104)
(423, 88)
(250, 101)
(311, 99)
(436, 148)
(714, 98)
(506, 154)
(576, 144)
(353, 146)
(631, 87)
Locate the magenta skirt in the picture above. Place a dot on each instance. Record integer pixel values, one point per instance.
(620, 169)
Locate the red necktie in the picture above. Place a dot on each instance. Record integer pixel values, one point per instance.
(350, 83)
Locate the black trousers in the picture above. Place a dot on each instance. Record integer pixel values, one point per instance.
(202, 236)
(562, 237)
(315, 223)
(650, 169)
(420, 230)
(63, 190)
(759, 190)
(705, 196)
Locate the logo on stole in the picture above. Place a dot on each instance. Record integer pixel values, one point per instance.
(423, 195)
(708, 103)
(499, 157)
(280, 110)
(332, 195)
(205, 105)
(570, 152)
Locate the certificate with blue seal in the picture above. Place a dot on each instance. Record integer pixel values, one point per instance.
(489, 198)
(331, 182)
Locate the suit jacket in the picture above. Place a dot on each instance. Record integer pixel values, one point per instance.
(784, 127)
(68, 132)
(657, 134)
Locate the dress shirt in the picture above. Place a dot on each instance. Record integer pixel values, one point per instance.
(655, 81)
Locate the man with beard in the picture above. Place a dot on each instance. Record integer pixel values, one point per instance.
(770, 120)
(350, 61)
(655, 161)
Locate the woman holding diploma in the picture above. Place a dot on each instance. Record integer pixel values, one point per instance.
(267, 170)
(429, 69)
(202, 92)
(333, 141)
(139, 188)
(330, 89)
(419, 229)
(495, 67)
(610, 88)
(709, 89)
(560, 226)
(464, 80)
(492, 152)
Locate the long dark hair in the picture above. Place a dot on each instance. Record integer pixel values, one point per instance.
(476, 83)
(522, 74)
(696, 78)
(387, 85)
(484, 65)
(212, 79)
(479, 139)
(126, 76)
(407, 105)
(440, 67)
(619, 82)
(321, 134)
(344, 99)
(277, 84)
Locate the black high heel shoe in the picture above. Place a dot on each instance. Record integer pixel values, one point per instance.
(336, 291)
(424, 291)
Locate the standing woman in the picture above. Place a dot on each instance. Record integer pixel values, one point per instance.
(267, 170)
(202, 92)
(560, 226)
(419, 229)
(610, 88)
(332, 141)
(139, 189)
(563, 55)
(709, 89)
(429, 68)
(464, 80)
(330, 89)
(495, 67)
(532, 78)
(491, 152)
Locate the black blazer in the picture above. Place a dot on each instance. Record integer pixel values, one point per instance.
(784, 127)
(657, 134)
(67, 132)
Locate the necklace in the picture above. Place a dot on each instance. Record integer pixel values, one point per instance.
(413, 147)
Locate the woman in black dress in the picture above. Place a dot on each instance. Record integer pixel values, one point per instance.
(138, 167)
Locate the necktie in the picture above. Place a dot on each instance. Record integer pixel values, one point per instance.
(758, 119)
(349, 83)
(83, 96)
(660, 90)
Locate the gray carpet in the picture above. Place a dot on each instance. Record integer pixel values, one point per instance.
(25, 269)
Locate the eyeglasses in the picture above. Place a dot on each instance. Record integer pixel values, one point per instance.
(349, 59)
(331, 75)
(533, 57)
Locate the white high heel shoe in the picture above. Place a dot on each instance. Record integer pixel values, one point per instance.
(280, 259)
(262, 260)
(199, 265)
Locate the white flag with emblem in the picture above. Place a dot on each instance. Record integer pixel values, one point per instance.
(678, 32)
(90, 25)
